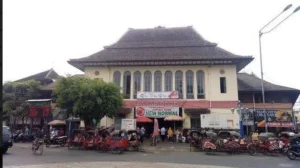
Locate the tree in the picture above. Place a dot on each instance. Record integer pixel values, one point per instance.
(88, 98)
(14, 99)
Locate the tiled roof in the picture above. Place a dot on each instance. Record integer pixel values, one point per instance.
(49, 74)
(161, 44)
(51, 86)
(250, 82)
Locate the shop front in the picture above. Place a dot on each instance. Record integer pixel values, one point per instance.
(277, 120)
(158, 105)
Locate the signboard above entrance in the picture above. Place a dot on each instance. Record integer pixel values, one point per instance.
(156, 112)
(216, 121)
(275, 118)
(158, 95)
(128, 124)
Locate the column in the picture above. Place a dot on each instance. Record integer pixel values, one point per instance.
(131, 85)
(142, 81)
(173, 81)
(195, 85)
(184, 84)
(121, 81)
(152, 81)
(163, 81)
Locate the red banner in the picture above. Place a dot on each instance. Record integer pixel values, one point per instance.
(43, 111)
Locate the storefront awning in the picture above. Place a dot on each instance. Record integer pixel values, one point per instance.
(196, 111)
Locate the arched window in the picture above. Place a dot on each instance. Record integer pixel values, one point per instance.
(126, 85)
(117, 78)
(137, 82)
(157, 81)
(189, 85)
(147, 81)
(178, 83)
(200, 85)
(168, 81)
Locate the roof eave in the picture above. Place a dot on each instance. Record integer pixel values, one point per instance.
(241, 62)
(77, 64)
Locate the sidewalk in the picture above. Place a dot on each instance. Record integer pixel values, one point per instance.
(146, 147)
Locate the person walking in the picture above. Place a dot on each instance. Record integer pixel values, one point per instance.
(163, 133)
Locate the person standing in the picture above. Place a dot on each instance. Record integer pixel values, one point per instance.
(163, 133)
(142, 134)
(26, 131)
(170, 133)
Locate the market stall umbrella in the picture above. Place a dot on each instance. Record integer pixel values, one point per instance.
(143, 120)
(173, 118)
(57, 122)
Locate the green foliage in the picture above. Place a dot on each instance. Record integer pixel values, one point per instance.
(88, 98)
(14, 96)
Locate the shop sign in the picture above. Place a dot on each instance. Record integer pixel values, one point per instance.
(156, 112)
(158, 95)
(148, 103)
(214, 121)
(275, 118)
(128, 124)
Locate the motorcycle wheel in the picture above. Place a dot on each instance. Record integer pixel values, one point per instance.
(291, 155)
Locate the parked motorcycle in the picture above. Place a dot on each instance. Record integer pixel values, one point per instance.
(294, 148)
(55, 140)
(23, 138)
(293, 152)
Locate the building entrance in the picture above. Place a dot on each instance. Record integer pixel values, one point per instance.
(161, 123)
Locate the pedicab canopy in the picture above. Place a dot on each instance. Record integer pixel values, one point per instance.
(57, 122)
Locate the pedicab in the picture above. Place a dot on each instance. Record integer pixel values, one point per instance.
(78, 140)
(267, 144)
(133, 140)
(198, 138)
(294, 147)
(284, 142)
(195, 139)
(222, 143)
(113, 143)
(235, 136)
(91, 139)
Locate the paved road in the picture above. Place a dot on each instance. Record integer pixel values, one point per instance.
(19, 156)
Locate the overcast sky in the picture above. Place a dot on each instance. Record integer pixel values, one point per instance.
(41, 34)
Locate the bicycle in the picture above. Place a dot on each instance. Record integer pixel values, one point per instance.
(37, 146)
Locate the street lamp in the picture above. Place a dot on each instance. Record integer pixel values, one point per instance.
(261, 64)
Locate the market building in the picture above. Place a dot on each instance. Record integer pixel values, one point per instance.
(47, 79)
(168, 71)
(279, 103)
